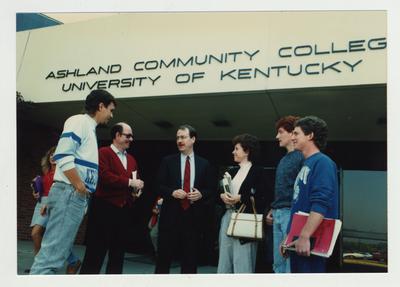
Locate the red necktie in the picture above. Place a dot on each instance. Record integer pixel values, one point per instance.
(186, 183)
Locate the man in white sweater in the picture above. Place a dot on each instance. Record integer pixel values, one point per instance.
(74, 179)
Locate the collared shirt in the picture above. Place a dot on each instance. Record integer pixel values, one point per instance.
(77, 148)
(192, 168)
(123, 158)
(240, 176)
(121, 155)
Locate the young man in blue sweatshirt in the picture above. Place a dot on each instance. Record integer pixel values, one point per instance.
(316, 191)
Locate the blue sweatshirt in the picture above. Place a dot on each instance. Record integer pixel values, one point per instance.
(316, 187)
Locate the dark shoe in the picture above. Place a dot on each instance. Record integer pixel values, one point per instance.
(73, 268)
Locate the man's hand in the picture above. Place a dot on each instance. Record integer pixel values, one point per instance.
(303, 246)
(137, 184)
(81, 188)
(268, 218)
(76, 181)
(179, 194)
(136, 194)
(194, 195)
(284, 252)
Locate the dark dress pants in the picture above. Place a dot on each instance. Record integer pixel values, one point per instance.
(106, 232)
(183, 238)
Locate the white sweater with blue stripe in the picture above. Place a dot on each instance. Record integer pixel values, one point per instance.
(77, 148)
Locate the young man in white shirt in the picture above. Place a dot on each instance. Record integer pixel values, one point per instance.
(74, 180)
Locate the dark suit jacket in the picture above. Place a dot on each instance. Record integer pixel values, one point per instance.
(169, 179)
(114, 178)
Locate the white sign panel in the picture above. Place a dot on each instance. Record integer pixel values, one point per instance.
(160, 54)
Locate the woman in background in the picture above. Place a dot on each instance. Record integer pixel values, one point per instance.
(41, 187)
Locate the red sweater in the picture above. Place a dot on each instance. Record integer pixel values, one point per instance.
(47, 181)
(114, 178)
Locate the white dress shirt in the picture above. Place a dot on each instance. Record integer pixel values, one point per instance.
(192, 168)
(121, 155)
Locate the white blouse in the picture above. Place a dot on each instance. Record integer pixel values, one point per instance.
(240, 176)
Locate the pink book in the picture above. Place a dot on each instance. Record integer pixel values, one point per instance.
(322, 241)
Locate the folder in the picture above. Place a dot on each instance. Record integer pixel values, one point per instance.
(37, 185)
(323, 239)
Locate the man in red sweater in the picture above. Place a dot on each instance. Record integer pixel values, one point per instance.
(108, 218)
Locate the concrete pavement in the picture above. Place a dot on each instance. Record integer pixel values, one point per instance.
(134, 263)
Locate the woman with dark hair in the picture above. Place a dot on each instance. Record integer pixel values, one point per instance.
(239, 255)
(40, 191)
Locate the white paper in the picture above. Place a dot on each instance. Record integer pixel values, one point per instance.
(227, 183)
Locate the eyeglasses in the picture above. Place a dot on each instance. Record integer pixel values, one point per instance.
(128, 135)
(181, 137)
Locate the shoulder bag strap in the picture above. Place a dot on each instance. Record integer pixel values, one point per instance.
(255, 215)
(241, 209)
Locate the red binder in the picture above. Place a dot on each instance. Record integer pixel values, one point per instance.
(322, 241)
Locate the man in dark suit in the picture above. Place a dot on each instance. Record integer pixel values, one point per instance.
(108, 219)
(185, 184)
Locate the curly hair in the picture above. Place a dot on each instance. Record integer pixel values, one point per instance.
(317, 126)
(45, 161)
(249, 144)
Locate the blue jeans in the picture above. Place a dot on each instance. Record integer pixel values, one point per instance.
(66, 209)
(281, 220)
(38, 219)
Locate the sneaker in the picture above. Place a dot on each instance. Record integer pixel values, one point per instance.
(73, 268)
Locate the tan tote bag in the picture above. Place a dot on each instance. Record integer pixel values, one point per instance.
(246, 225)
